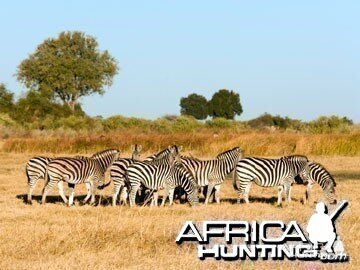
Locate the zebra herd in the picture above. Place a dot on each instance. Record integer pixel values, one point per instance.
(169, 170)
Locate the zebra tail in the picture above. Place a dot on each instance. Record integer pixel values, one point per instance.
(235, 181)
(104, 185)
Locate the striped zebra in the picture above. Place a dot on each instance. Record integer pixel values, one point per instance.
(318, 174)
(152, 175)
(211, 173)
(184, 179)
(269, 173)
(118, 174)
(76, 171)
(35, 170)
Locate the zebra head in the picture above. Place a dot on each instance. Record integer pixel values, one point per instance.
(174, 155)
(106, 158)
(233, 155)
(319, 174)
(300, 166)
(136, 151)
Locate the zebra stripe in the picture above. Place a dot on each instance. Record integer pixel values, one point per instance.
(76, 171)
(184, 179)
(118, 172)
(35, 169)
(152, 174)
(269, 173)
(318, 174)
(212, 173)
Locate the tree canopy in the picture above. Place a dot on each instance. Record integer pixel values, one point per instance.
(6, 99)
(225, 103)
(68, 67)
(194, 105)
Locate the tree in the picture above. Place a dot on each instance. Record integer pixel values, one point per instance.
(194, 105)
(35, 106)
(68, 67)
(225, 103)
(6, 99)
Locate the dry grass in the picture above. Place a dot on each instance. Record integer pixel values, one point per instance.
(202, 143)
(57, 237)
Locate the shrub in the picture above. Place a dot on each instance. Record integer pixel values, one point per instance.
(327, 124)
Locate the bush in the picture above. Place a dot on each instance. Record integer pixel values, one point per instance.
(327, 124)
(268, 120)
(220, 123)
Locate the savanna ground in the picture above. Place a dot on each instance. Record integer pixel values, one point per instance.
(85, 237)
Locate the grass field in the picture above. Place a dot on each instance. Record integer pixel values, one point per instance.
(84, 237)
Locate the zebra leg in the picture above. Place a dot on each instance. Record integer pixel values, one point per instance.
(133, 192)
(288, 193)
(171, 196)
(117, 188)
(280, 191)
(210, 188)
(61, 191)
(46, 189)
(166, 194)
(246, 193)
(71, 196)
(123, 195)
(93, 189)
(31, 183)
(308, 193)
(155, 198)
(88, 188)
(217, 193)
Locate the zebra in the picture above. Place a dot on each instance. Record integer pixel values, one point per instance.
(184, 179)
(269, 173)
(76, 171)
(152, 174)
(35, 170)
(318, 174)
(211, 173)
(118, 174)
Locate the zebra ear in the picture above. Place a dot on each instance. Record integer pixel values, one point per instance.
(139, 147)
(133, 147)
(180, 148)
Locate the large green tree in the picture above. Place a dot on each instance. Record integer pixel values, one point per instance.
(194, 105)
(225, 103)
(6, 99)
(68, 67)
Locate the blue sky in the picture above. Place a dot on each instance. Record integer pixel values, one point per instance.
(295, 58)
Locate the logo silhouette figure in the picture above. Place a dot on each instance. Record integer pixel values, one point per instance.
(321, 228)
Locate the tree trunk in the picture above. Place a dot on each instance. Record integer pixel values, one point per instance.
(72, 105)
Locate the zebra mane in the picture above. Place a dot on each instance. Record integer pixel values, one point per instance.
(219, 156)
(298, 157)
(329, 176)
(104, 152)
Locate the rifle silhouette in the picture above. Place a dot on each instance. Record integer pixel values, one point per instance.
(335, 214)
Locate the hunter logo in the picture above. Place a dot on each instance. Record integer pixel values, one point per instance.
(239, 240)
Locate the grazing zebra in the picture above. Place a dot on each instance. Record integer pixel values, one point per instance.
(211, 173)
(152, 174)
(184, 179)
(318, 174)
(269, 173)
(35, 170)
(76, 171)
(118, 173)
